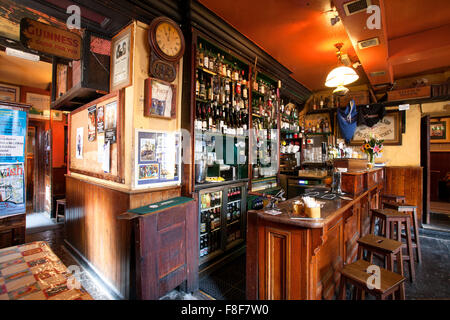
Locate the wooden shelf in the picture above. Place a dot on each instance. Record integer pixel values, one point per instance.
(76, 97)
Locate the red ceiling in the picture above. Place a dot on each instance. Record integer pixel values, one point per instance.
(299, 35)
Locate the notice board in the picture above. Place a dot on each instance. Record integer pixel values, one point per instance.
(13, 133)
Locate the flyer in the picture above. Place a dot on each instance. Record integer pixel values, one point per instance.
(100, 119)
(111, 121)
(92, 123)
(79, 143)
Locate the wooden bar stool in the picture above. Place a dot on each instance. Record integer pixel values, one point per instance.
(60, 202)
(356, 274)
(403, 207)
(391, 227)
(388, 249)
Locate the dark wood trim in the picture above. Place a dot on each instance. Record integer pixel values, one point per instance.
(425, 162)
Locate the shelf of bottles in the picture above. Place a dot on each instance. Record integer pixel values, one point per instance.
(264, 138)
(290, 131)
(221, 112)
(222, 220)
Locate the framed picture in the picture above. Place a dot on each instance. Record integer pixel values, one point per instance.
(122, 59)
(159, 99)
(57, 115)
(158, 158)
(389, 129)
(9, 93)
(439, 131)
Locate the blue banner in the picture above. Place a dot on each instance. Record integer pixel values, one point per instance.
(13, 131)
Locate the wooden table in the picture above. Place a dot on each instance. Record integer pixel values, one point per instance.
(32, 271)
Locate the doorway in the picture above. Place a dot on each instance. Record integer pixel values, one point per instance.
(435, 160)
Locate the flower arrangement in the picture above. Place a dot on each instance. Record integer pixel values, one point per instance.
(372, 147)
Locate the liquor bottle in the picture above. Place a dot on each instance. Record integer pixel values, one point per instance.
(218, 67)
(209, 90)
(198, 115)
(212, 62)
(321, 102)
(206, 59)
(202, 93)
(224, 67)
(197, 84)
(200, 61)
(204, 128)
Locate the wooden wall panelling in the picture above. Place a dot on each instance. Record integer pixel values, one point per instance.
(12, 230)
(329, 262)
(406, 181)
(92, 229)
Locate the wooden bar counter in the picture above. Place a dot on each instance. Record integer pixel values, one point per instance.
(300, 258)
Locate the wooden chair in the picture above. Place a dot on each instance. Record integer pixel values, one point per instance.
(391, 224)
(356, 274)
(60, 202)
(403, 207)
(388, 249)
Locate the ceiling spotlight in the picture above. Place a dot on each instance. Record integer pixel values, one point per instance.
(334, 20)
(356, 65)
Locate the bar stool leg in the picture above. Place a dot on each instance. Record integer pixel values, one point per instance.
(372, 223)
(410, 251)
(416, 235)
(400, 270)
(342, 288)
(57, 211)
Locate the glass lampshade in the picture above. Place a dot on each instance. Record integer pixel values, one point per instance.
(341, 76)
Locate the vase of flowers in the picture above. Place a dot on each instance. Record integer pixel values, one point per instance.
(372, 147)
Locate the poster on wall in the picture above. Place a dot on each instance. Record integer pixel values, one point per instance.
(13, 130)
(100, 119)
(157, 158)
(92, 122)
(79, 143)
(111, 122)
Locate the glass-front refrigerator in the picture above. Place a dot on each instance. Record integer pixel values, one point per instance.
(222, 218)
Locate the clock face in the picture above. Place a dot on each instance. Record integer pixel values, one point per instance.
(168, 39)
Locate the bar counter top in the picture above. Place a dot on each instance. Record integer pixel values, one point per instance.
(330, 210)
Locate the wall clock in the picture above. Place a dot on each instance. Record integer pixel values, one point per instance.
(167, 44)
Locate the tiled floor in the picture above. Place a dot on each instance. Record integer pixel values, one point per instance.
(55, 239)
(228, 282)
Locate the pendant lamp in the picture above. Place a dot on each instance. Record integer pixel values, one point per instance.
(341, 75)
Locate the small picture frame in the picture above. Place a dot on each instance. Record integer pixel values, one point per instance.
(439, 131)
(121, 70)
(159, 99)
(9, 93)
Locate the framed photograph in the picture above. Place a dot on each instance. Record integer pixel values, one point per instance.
(121, 70)
(158, 158)
(159, 99)
(389, 129)
(439, 131)
(9, 93)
